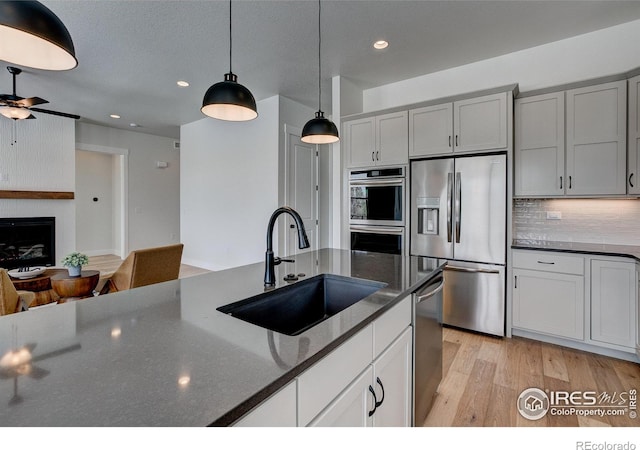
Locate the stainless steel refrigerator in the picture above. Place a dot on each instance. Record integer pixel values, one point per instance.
(458, 214)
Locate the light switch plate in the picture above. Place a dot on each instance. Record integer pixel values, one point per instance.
(554, 215)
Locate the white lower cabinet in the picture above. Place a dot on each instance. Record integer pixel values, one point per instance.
(549, 302)
(591, 299)
(380, 396)
(366, 381)
(279, 410)
(613, 302)
(548, 293)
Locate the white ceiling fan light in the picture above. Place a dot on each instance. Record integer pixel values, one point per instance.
(11, 112)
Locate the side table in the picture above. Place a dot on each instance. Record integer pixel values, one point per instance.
(40, 285)
(75, 288)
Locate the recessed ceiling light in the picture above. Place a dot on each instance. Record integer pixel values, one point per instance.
(182, 83)
(379, 45)
(114, 116)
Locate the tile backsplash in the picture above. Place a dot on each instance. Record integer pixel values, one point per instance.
(599, 221)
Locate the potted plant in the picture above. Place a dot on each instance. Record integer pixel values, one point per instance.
(74, 262)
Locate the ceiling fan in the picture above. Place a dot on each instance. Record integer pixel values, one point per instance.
(15, 107)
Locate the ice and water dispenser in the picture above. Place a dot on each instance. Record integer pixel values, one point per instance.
(428, 215)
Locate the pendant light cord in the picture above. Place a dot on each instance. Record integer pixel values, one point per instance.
(319, 59)
(230, 38)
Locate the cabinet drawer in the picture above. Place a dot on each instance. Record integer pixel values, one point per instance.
(319, 385)
(549, 262)
(390, 325)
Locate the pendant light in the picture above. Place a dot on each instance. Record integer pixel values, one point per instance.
(33, 36)
(319, 130)
(228, 99)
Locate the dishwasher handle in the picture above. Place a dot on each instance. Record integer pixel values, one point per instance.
(430, 291)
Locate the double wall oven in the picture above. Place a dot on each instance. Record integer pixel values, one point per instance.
(377, 210)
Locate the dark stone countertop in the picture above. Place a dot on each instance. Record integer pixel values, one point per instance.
(628, 251)
(162, 355)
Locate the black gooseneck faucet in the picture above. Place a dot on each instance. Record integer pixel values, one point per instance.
(270, 260)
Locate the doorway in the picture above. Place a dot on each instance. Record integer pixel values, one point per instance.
(301, 188)
(101, 200)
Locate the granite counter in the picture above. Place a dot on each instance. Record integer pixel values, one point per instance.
(162, 355)
(627, 251)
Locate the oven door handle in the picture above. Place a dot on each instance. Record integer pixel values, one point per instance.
(384, 182)
(377, 230)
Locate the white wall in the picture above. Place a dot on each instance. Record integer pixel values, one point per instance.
(42, 159)
(228, 188)
(153, 194)
(605, 52)
(95, 224)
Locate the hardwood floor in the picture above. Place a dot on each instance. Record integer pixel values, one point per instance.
(483, 377)
(109, 263)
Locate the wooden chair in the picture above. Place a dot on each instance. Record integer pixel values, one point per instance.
(12, 300)
(144, 267)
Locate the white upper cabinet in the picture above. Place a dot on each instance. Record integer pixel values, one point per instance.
(596, 139)
(471, 125)
(633, 170)
(431, 130)
(377, 141)
(572, 143)
(480, 123)
(539, 145)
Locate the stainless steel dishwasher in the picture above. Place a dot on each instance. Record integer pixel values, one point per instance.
(427, 345)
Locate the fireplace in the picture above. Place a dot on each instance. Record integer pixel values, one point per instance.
(27, 241)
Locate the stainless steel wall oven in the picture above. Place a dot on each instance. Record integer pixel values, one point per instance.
(377, 210)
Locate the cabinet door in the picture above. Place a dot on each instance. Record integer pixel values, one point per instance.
(539, 145)
(633, 180)
(596, 139)
(360, 142)
(613, 302)
(392, 138)
(480, 123)
(548, 302)
(431, 130)
(279, 410)
(351, 408)
(392, 383)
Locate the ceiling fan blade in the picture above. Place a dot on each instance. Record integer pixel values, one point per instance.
(56, 113)
(31, 116)
(31, 101)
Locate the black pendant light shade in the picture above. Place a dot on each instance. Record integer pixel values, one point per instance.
(320, 130)
(229, 100)
(33, 36)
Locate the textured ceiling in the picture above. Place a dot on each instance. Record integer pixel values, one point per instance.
(131, 53)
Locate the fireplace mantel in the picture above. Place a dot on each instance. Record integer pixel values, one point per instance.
(38, 195)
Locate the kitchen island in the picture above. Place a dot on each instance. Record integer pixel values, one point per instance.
(162, 355)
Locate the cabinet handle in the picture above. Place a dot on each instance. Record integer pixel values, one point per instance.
(544, 262)
(378, 156)
(375, 401)
(372, 156)
(569, 181)
(630, 177)
(456, 140)
(515, 285)
(449, 140)
(381, 387)
(560, 182)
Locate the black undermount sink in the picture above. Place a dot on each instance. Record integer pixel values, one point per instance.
(295, 308)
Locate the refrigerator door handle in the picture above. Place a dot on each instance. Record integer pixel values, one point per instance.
(465, 269)
(458, 210)
(449, 200)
